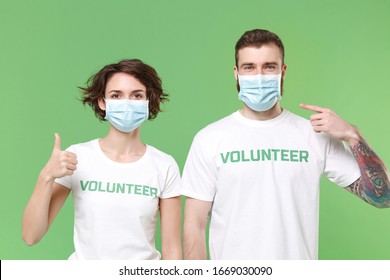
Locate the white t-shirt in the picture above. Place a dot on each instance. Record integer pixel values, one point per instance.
(116, 204)
(263, 179)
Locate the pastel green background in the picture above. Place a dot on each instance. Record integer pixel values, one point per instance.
(337, 54)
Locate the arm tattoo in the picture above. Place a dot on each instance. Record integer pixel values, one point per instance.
(357, 188)
(373, 185)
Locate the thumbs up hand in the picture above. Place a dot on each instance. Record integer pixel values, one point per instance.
(61, 163)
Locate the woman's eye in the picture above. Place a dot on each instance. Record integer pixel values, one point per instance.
(139, 96)
(115, 96)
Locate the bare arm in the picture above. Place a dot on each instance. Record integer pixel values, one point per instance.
(48, 196)
(43, 206)
(196, 214)
(374, 184)
(170, 212)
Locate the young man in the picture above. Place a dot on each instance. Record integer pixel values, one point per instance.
(257, 171)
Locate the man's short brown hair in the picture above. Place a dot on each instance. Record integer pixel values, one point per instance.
(257, 38)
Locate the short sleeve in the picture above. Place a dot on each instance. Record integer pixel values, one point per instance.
(199, 176)
(340, 166)
(66, 181)
(172, 182)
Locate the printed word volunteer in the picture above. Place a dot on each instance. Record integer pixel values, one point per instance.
(265, 155)
(98, 186)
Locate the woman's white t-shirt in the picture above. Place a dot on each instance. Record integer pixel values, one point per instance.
(116, 204)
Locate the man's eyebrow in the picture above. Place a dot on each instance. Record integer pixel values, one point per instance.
(247, 64)
(271, 63)
(265, 63)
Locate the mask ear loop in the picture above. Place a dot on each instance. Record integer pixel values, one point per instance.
(147, 108)
(280, 85)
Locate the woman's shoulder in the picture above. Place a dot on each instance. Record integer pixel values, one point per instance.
(157, 154)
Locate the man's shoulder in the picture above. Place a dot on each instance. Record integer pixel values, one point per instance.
(222, 124)
(297, 121)
(295, 117)
(304, 128)
(218, 128)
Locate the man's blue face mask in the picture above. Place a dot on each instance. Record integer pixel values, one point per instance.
(260, 92)
(126, 115)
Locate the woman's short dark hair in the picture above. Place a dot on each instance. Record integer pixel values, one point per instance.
(96, 85)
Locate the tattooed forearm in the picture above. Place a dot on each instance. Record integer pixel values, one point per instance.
(357, 188)
(373, 186)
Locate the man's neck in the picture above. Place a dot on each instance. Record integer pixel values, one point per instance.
(248, 113)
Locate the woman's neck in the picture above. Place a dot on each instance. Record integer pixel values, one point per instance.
(123, 147)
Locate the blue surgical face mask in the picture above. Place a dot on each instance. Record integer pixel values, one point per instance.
(126, 115)
(260, 92)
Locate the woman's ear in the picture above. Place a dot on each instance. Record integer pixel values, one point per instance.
(102, 103)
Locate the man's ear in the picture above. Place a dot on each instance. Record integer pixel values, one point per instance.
(236, 76)
(284, 69)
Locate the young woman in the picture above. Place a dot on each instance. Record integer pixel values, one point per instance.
(118, 183)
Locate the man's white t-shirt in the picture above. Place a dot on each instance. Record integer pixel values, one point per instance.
(116, 204)
(263, 178)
